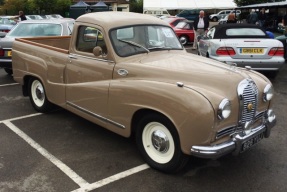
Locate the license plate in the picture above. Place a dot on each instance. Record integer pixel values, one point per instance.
(251, 50)
(9, 53)
(249, 143)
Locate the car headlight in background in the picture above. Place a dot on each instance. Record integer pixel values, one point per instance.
(224, 109)
(268, 93)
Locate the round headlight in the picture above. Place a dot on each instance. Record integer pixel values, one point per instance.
(268, 93)
(224, 109)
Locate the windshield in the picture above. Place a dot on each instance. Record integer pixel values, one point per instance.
(143, 39)
(36, 29)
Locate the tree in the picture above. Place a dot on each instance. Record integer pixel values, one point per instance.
(12, 7)
(62, 6)
(136, 6)
(250, 2)
(46, 6)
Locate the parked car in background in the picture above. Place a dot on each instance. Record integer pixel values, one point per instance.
(33, 17)
(7, 23)
(184, 31)
(31, 28)
(243, 44)
(222, 14)
(223, 20)
(156, 12)
(54, 16)
(173, 20)
(190, 14)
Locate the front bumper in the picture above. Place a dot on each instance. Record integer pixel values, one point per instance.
(235, 144)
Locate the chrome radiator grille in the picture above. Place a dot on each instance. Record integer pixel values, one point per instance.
(248, 100)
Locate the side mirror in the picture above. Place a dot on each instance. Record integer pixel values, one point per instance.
(97, 51)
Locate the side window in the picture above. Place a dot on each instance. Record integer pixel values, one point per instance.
(227, 12)
(89, 38)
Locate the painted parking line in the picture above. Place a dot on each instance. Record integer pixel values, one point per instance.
(113, 178)
(68, 171)
(10, 84)
(22, 117)
(84, 185)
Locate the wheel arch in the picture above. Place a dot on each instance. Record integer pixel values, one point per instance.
(25, 86)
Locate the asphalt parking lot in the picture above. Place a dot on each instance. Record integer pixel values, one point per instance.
(62, 152)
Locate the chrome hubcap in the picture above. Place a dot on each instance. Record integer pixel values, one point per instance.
(160, 141)
(40, 92)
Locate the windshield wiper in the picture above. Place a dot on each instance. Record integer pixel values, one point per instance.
(160, 47)
(135, 44)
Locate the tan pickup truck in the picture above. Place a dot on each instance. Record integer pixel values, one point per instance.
(129, 73)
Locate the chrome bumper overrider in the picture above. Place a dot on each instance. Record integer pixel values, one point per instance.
(234, 145)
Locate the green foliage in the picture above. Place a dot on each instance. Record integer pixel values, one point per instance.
(12, 7)
(136, 6)
(250, 2)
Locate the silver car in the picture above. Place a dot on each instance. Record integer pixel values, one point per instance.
(31, 28)
(243, 44)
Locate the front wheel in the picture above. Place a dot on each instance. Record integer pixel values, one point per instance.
(38, 96)
(158, 143)
(214, 19)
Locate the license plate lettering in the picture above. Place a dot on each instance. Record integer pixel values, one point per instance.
(254, 140)
(252, 51)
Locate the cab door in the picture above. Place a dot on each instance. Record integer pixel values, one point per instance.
(88, 76)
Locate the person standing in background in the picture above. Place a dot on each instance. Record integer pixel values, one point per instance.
(200, 25)
(22, 16)
(231, 18)
(284, 23)
(262, 18)
(252, 17)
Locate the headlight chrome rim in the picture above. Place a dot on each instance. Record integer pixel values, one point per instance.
(224, 109)
(268, 93)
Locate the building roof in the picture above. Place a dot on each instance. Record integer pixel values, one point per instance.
(265, 5)
(92, 2)
(189, 4)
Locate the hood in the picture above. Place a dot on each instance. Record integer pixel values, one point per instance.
(211, 78)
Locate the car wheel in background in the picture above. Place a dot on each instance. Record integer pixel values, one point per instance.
(8, 71)
(183, 39)
(214, 19)
(38, 96)
(158, 143)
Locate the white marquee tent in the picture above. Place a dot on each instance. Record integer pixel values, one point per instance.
(189, 4)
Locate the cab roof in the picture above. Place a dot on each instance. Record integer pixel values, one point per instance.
(112, 19)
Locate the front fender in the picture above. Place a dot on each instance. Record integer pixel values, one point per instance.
(191, 113)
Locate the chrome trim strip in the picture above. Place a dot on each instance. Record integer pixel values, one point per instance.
(93, 58)
(96, 115)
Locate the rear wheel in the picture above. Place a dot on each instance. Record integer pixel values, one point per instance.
(38, 96)
(158, 143)
(8, 71)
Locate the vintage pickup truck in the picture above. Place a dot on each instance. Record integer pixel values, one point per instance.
(129, 73)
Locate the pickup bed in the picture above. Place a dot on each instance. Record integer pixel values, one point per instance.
(129, 73)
